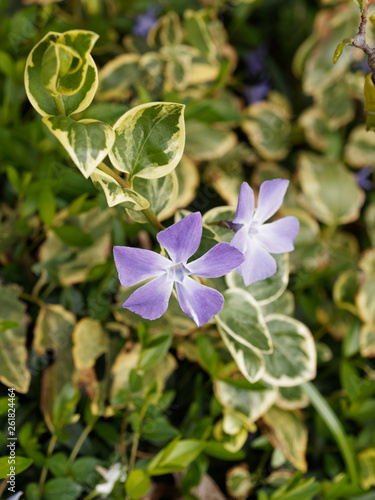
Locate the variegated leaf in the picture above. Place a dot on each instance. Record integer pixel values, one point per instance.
(250, 401)
(360, 147)
(41, 98)
(204, 142)
(293, 360)
(117, 194)
(198, 34)
(287, 431)
(367, 341)
(118, 77)
(87, 141)
(249, 362)
(13, 351)
(268, 128)
(292, 398)
(160, 193)
(330, 191)
(267, 290)
(90, 341)
(242, 319)
(150, 140)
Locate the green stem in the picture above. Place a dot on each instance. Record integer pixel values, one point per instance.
(59, 104)
(43, 475)
(336, 428)
(91, 495)
(136, 438)
(153, 220)
(104, 168)
(31, 298)
(81, 440)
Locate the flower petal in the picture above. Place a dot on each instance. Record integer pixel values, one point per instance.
(271, 196)
(240, 240)
(279, 236)
(182, 239)
(218, 261)
(150, 300)
(137, 264)
(245, 206)
(258, 265)
(199, 302)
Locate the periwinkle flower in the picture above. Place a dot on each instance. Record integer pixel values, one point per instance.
(362, 178)
(181, 240)
(144, 22)
(257, 92)
(257, 240)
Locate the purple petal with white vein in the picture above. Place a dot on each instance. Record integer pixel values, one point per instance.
(279, 236)
(151, 300)
(182, 239)
(199, 302)
(271, 196)
(137, 264)
(245, 206)
(219, 260)
(258, 265)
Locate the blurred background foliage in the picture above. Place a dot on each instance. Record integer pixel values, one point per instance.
(263, 100)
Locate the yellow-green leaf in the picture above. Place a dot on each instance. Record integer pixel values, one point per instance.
(87, 141)
(150, 140)
(90, 341)
(330, 191)
(366, 462)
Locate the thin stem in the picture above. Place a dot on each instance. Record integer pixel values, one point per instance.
(336, 428)
(31, 298)
(153, 220)
(104, 168)
(137, 435)
(91, 495)
(81, 440)
(123, 441)
(59, 104)
(43, 475)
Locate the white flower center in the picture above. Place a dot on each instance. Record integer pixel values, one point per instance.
(253, 229)
(177, 272)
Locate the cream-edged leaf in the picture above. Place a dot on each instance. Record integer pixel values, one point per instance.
(293, 360)
(87, 141)
(117, 194)
(149, 140)
(249, 362)
(118, 77)
(242, 319)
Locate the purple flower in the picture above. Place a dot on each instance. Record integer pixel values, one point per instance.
(257, 92)
(257, 240)
(16, 496)
(144, 22)
(254, 60)
(362, 178)
(181, 240)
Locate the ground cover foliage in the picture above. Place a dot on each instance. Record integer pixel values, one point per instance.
(274, 397)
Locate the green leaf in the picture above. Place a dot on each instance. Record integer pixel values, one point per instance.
(269, 130)
(149, 140)
(117, 194)
(137, 484)
(154, 350)
(293, 359)
(217, 450)
(330, 191)
(366, 462)
(62, 489)
(65, 406)
(208, 355)
(176, 456)
(13, 352)
(18, 463)
(87, 141)
(242, 319)
(38, 94)
(73, 236)
(58, 464)
(249, 361)
(268, 290)
(83, 469)
(46, 206)
(341, 46)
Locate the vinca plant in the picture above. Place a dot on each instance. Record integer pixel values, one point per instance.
(186, 247)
